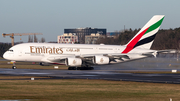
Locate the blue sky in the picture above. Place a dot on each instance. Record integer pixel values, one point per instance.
(51, 17)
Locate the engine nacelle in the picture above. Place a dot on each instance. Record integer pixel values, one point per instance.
(73, 62)
(101, 60)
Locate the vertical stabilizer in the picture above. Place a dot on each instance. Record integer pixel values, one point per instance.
(145, 37)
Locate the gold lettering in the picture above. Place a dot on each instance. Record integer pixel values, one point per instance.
(54, 50)
(31, 48)
(78, 50)
(57, 49)
(50, 51)
(39, 50)
(61, 50)
(43, 49)
(72, 50)
(101, 60)
(46, 50)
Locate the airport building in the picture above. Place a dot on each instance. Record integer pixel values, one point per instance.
(92, 39)
(113, 34)
(82, 32)
(67, 38)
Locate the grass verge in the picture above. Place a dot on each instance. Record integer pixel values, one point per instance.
(87, 90)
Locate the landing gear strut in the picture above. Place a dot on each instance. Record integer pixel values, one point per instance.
(80, 68)
(14, 66)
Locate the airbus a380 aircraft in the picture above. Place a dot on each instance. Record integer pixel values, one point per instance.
(83, 56)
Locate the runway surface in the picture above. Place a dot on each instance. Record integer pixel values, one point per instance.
(113, 72)
(95, 74)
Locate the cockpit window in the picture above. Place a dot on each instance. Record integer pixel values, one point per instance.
(10, 50)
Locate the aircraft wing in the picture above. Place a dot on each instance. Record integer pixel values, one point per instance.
(157, 52)
(55, 59)
(167, 51)
(112, 57)
(87, 58)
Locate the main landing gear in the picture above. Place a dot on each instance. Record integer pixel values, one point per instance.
(80, 68)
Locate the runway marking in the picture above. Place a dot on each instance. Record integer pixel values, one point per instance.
(35, 73)
(88, 75)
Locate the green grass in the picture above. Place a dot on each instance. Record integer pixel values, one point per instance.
(81, 90)
(87, 90)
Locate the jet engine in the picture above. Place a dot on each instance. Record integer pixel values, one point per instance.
(101, 60)
(73, 62)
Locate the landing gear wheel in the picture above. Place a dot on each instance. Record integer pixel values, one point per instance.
(85, 68)
(81, 68)
(91, 68)
(13, 67)
(72, 68)
(69, 68)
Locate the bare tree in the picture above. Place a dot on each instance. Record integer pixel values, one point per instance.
(35, 38)
(42, 40)
(30, 39)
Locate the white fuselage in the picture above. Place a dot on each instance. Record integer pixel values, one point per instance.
(45, 52)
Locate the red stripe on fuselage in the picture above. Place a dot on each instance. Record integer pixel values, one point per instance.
(131, 45)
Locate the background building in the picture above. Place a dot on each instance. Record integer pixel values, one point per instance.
(82, 32)
(67, 38)
(92, 39)
(113, 34)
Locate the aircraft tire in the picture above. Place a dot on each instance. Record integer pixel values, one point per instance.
(91, 68)
(13, 67)
(78, 68)
(72, 68)
(69, 68)
(81, 68)
(85, 68)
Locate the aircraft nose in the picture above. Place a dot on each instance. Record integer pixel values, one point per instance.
(5, 55)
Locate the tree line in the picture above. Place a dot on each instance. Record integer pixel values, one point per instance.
(35, 39)
(4, 47)
(165, 38)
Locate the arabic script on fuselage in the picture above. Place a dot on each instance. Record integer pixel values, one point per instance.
(72, 50)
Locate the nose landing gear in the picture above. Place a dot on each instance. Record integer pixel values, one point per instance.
(14, 65)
